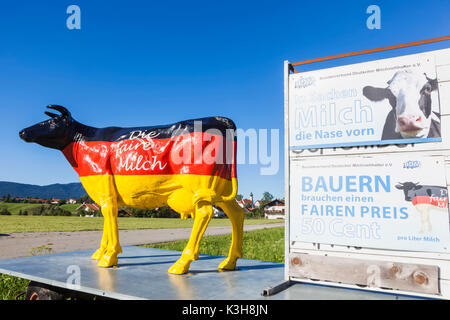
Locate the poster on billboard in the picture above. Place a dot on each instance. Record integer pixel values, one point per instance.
(398, 202)
(380, 102)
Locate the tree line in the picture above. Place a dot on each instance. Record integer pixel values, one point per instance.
(10, 199)
(43, 210)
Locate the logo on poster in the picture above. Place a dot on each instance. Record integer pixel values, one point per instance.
(411, 164)
(304, 82)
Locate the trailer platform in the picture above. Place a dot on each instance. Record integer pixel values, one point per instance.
(142, 274)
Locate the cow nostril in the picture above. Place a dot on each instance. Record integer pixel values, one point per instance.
(23, 135)
(402, 121)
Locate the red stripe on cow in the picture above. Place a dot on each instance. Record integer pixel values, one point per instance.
(192, 153)
(441, 202)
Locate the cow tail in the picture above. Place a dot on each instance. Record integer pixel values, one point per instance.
(234, 182)
(233, 173)
(233, 193)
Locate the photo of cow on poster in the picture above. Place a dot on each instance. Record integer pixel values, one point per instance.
(380, 102)
(425, 198)
(415, 107)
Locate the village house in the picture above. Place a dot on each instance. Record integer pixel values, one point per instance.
(274, 209)
(218, 213)
(258, 203)
(93, 209)
(245, 203)
(90, 209)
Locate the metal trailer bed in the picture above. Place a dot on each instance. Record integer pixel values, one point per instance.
(142, 274)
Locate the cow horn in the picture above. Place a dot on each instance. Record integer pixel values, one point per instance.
(61, 109)
(427, 76)
(50, 114)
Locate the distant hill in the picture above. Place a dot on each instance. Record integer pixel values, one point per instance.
(60, 191)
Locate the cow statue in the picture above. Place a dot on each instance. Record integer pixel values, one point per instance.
(425, 198)
(189, 166)
(409, 95)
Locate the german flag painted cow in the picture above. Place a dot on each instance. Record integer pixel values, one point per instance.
(189, 165)
(425, 198)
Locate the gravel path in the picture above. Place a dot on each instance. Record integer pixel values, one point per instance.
(16, 245)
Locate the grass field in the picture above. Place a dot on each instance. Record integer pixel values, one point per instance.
(15, 223)
(71, 207)
(10, 287)
(264, 244)
(14, 208)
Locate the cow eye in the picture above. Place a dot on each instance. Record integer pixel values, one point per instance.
(427, 89)
(66, 121)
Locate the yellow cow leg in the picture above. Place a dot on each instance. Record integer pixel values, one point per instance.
(101, 188)
(203, 214)
(236, 215)
(104, 243)
(110, 211)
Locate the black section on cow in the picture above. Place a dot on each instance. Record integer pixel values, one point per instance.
(112, 134)
(425, 99)
(61, 130)
(412, 190)
(389, 127)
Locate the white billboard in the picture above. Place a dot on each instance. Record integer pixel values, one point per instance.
(379, 102)
(397, 202)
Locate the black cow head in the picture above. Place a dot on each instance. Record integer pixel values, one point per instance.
(409, 94)
(53, 133)
(407, 187)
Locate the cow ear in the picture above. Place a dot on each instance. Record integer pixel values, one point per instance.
(433, 83)
(399, 186)
(379, 94)
(375, 94)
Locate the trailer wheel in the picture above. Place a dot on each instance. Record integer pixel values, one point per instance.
(40, 291)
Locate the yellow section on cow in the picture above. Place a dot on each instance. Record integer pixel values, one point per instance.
(187, 194)
(180, 192)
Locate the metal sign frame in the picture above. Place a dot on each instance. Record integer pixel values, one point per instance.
(424, 274)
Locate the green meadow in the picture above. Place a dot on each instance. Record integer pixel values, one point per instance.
(16, 223)
(264, 244)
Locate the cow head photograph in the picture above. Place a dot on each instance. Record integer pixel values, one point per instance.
(52, 133)
(410, 96)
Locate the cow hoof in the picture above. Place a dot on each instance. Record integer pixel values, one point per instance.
(98, 254)
(180, 267)
(108, 260)
(228, 264)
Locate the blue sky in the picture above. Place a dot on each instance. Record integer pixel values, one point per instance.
(157, 62)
